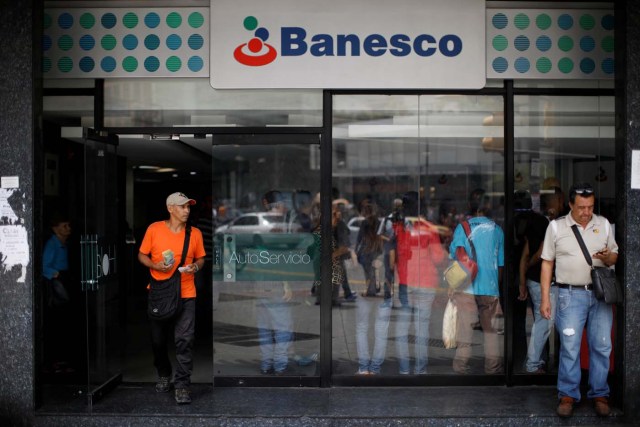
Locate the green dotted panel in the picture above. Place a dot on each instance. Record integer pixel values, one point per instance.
(125, 42)
(554, 44)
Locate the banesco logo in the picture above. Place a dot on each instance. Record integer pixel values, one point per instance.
(294, 43)
(256, 52)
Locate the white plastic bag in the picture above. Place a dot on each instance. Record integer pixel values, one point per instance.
(449, 325)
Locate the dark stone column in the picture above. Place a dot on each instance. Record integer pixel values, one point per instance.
(627, 51)
(20, 114)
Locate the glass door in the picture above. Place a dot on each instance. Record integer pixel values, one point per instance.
(99, 247)
(407, 171)
(266, 259)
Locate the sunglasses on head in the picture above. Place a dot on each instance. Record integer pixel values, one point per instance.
(583, 191)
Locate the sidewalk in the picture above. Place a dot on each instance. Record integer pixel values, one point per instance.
(351, 406)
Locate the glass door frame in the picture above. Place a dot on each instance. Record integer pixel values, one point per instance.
(441, 380)
(286, 136)
(508, 91)
(99, 262)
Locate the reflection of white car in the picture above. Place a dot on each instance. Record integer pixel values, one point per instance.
(255, 222)
(264, 229)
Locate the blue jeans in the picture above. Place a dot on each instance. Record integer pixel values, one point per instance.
(541, 327)
(420, 308)
(389, 273)
(576, 307)
(364, 308)
(275, 333)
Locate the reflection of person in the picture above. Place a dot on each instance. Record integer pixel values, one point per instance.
(273, 312)
(551, 204)
(370, 363)
(55, 266)
(369, 246)
(385, 231)
(481, 299)
(160, 236)
(529, 279)
(577, 304)
(341, 235)
(337, 266)
(419, 253)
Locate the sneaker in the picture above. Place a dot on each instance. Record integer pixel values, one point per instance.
(601, 405)
(351, 298)
(565, 407)
(183, 396)
(163, 385)
(362, 372)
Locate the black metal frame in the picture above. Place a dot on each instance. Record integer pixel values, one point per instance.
(248, 135)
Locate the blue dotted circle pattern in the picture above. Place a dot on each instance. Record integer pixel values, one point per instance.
(87, 42)
(108, 64)
(195, 63)
(500, 21)
(121, 42)
(522, 43)
(46, 43)
(130, 42)
(174, 42)
(543, 43)
(567, 44)
(87, 64)
(152, 20)
(109, 20)
(65, 21)
(522, 65)
(152, 42)
(500, 64)
(587, 43)
(195, 41)
(151, 64)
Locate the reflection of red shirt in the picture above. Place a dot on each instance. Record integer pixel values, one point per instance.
(418, 253)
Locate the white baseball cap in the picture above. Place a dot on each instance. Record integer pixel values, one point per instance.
(179, 199)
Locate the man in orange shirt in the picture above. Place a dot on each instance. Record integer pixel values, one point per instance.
(160, 237)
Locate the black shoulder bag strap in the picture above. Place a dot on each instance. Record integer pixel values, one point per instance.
(185, 247)
(467, 230)
(585, 252)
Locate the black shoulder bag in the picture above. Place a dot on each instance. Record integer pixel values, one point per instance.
(164, 295)
(603, 279)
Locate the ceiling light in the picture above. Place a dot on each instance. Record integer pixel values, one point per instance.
(165, 170)
(147, 167)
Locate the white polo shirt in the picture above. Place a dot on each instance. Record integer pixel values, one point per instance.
(561, 246)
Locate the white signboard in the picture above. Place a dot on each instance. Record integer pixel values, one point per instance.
(356, 44)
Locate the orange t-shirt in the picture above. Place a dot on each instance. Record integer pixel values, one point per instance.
(159, 238)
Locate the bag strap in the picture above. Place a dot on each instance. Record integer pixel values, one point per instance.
(185, 247)
(585, 252)
(467, 230)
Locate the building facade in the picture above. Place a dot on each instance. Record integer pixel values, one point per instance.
(278, 123)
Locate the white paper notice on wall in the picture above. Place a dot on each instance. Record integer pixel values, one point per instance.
(9, 182)
(635, 169)
(14, 239)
